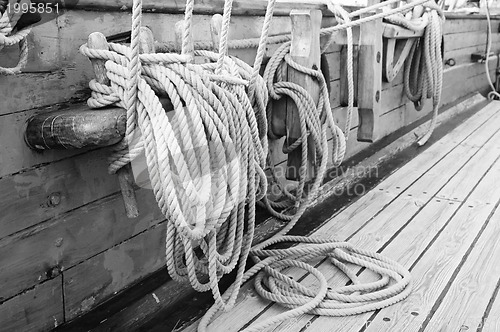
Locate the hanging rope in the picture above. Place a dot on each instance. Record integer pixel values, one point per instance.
(206, 163)
(423, 76)
(10, 36)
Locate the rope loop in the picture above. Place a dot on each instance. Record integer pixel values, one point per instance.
(10, 36)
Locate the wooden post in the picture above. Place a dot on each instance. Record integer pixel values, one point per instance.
(305, 50)
(215, 28)
(98, 41)
(344, 83)
(369, 78)
(179, 31)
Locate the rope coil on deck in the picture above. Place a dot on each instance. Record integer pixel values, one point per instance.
(9, 36)
(206, 163)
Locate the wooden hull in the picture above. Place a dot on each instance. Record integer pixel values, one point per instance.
(65, 242)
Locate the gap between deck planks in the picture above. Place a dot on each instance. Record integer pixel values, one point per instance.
(407, 192)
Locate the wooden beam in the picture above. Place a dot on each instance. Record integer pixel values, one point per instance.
(98, 41)
(205, 7)
(76, 128)
(344, 86)
(397, 32)
(305, 51)
(370, 79)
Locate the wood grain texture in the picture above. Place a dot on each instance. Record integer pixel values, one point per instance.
(57, 72)
(434, 270)
(114, 269)
(467, 39)
(468, 296)
(76, 129)
(374, 207)
(491, 320)
(305, 51)
(370, 84)
(15, 155)
(42, 252)
(241, 7)
(38, 309)
(49, 191)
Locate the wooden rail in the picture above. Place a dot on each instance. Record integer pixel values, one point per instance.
(204, 7)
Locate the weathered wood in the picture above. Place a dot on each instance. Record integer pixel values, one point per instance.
(16, 156)
(206, 7)
(49, 191)
(396, 32)
(468, 39)
(134, 316)
(380, 230)
(382, 226)
(371, 205)
(215, 29)
(344, 84)
(305, 51)
(111, 270)
(394, 55)
(370, 86)
(98, 41)
(38, 309)
(492, 314)
(441, 260)
(62, 74)
(471, 290)
(41, 252)
(76, 128)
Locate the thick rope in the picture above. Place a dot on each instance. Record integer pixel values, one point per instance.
(423, 76)
(206, 163)
(9, 37)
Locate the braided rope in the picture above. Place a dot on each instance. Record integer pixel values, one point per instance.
(8, 37)
(206, 164)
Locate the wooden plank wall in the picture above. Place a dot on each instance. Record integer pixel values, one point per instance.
(65, 242)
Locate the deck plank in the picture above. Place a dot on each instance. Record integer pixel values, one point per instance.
(378, 233)
(491, 316)
(413, 240)
(433, 271)
(468, 296)
(376, 201)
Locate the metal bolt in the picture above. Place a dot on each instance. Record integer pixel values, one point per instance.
(59, 242)
(377, 96)
(378, 57)
(53, 272)
(54, 199)
(450, 62)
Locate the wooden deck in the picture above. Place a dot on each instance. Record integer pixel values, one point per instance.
(438, 215)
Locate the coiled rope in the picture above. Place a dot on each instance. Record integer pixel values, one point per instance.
(206, 164)
(9, 37)
(423, 73)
